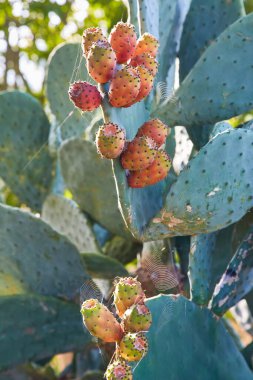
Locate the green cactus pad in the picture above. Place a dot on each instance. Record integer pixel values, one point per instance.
(164, 19)
(179, 324)
(25, 164)
(211, 92)
(236, 282)
(132, 10)
(34, 255)
(90, 180)
(65, 217)
(34, 327)
(212, 192)
(205, 21)
(104, 267)
(209, 257)
(66, 64)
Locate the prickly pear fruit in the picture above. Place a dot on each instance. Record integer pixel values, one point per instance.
(90, 36)
(157, 171)
(137, 318)
(145, 60)
(123, 41)
(139, 153)
(147, 80)
(101, 62)
(155, 129)
(118, 370)
(100, 321)
(128, 291)
(110, 140)
(147, 43)
(124, 87)
(133, 346)
(85, 96)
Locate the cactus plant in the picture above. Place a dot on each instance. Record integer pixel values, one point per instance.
(207, 201)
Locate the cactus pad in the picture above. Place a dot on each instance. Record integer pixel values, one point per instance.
(30, 253)
(64, 216)
(211, 180)
(34, 327)
(177, 321)
(25, 163)
(93, 188)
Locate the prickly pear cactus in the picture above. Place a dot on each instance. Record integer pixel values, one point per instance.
(191, 192)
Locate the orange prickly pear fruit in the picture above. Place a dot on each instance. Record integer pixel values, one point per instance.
(137, 318)
(139, 153)
(110, 140)
(85, 96)
(155, 129)
(123, 41)
(100, 321)
(90, 36)
(133, 346)
(119, 370)
(128, 291)
(101, 62)
(147, 43)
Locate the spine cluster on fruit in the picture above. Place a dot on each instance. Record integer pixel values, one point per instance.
(129, 334)
(128, 65)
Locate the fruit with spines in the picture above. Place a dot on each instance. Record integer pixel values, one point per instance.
(145, 60)
(90, 36)
(147, 80)
(155, 129)
(156, 172)
(85, 96)
(101, 61)
(147, 43)
(137, 318)
(110, 140)
(118, 370)
(127, 292)
(124, 87)
(133, 346)
(123, 41)
(139, 153)
(100, 321)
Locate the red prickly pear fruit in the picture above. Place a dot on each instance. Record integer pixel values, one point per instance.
(155, 129)
(119, 370)
(133, 346)
(85, 96)
(147, 43)
(147, 81)
(139, 153)
(124, 87)
(127, 292)
(100, 321)
(147, 61)
(90, 36)
(137, 318)
(110, 140)
(157, 171)
(123, 41)
(101, 62)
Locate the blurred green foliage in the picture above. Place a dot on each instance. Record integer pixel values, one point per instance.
(30, 29)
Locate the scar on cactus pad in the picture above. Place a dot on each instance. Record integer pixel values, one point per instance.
(129, 334)
(127, 66)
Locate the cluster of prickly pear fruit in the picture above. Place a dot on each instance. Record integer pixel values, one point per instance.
(129, 335)
(128, 64)
(143, 157)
